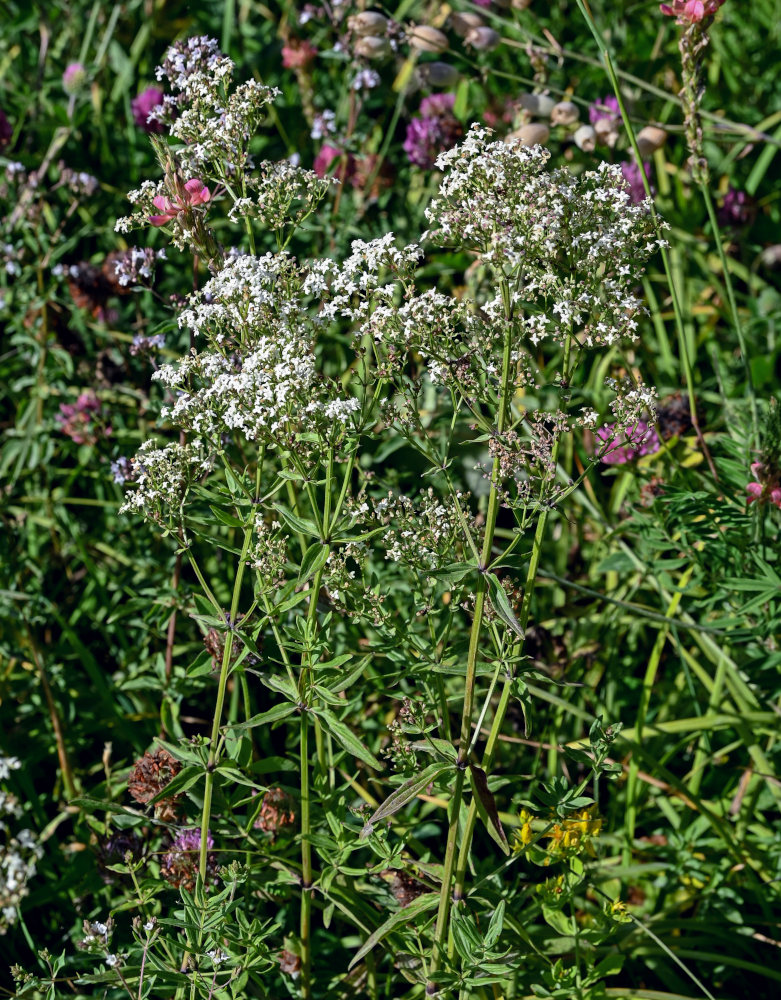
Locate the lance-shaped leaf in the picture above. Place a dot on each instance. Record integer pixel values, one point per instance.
(501, 604)
(346, 738)
(274, 714)
(404, 916)
(486, 806)
(405, 793)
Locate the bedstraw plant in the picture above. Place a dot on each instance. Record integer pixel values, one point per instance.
(335, 585)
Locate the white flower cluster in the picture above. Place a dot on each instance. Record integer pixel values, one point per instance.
(575, 245)
(19, 850)
(286, 195)
(268, 553)
(423, 532)
(137, 265)
(163, 477)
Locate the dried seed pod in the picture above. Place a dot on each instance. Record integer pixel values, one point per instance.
(585, 138)
(368, 22)
(372, 47)
(533, 134)
(483, 39)
(649, 139)
(464, 22)
(427, 39)
(564, 113)
(438, 74)
(537, 104)
(606, 132)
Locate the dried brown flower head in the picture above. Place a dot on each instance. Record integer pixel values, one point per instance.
(289, 962)
(149, 776)
(404, 887)
(277, 812)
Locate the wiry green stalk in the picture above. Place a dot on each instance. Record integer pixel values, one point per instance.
(504, 698)
(222, 684)
(443, 912)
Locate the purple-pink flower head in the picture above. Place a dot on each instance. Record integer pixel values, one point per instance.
(190, 841)
(80, 421)
(737, 209)
(436, 105)
(766, 488)
(638, 440)
(194, 193)
(148, 100)
(437, 130)
(74, 78)
(605, 109)
(634, 180)
(691, 11)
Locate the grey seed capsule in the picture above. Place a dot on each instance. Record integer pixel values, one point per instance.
(368, 22)
(585, 138)
(649, 139)
(464, 21)
(533, 134)
(438, 74)
(483, 39)
(564, 113)
(372, 47)
(427, 39)
(537, 104)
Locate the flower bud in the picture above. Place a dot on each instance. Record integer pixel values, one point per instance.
(537, 104)
(649, 139)
(585, 138)
(368, 22)
(438, 74)
(464, 22)
(483, 39)
(74, 78)
(427, 39)
(533, 134)
(564, 113)
(520, 4)
(372, 47)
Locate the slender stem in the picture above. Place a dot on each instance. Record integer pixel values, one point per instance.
(221, 687)
(306, 864)
(443, 912)
(306, 847)
(733, 305)
(504, 698)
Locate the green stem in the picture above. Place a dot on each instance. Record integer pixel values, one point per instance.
(221, 687)
(504, 698)
(733, 305)
(306, 864)
(443, 912)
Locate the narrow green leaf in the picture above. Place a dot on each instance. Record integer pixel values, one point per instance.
(346, 738)
(224, 518)
(405, 793)
(314, 559)
(420, 905)
(266, 718)
(486, 806)
(185, 779)
(501, 604)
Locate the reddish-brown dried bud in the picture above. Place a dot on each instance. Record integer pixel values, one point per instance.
(150, 775)
(277, 812)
